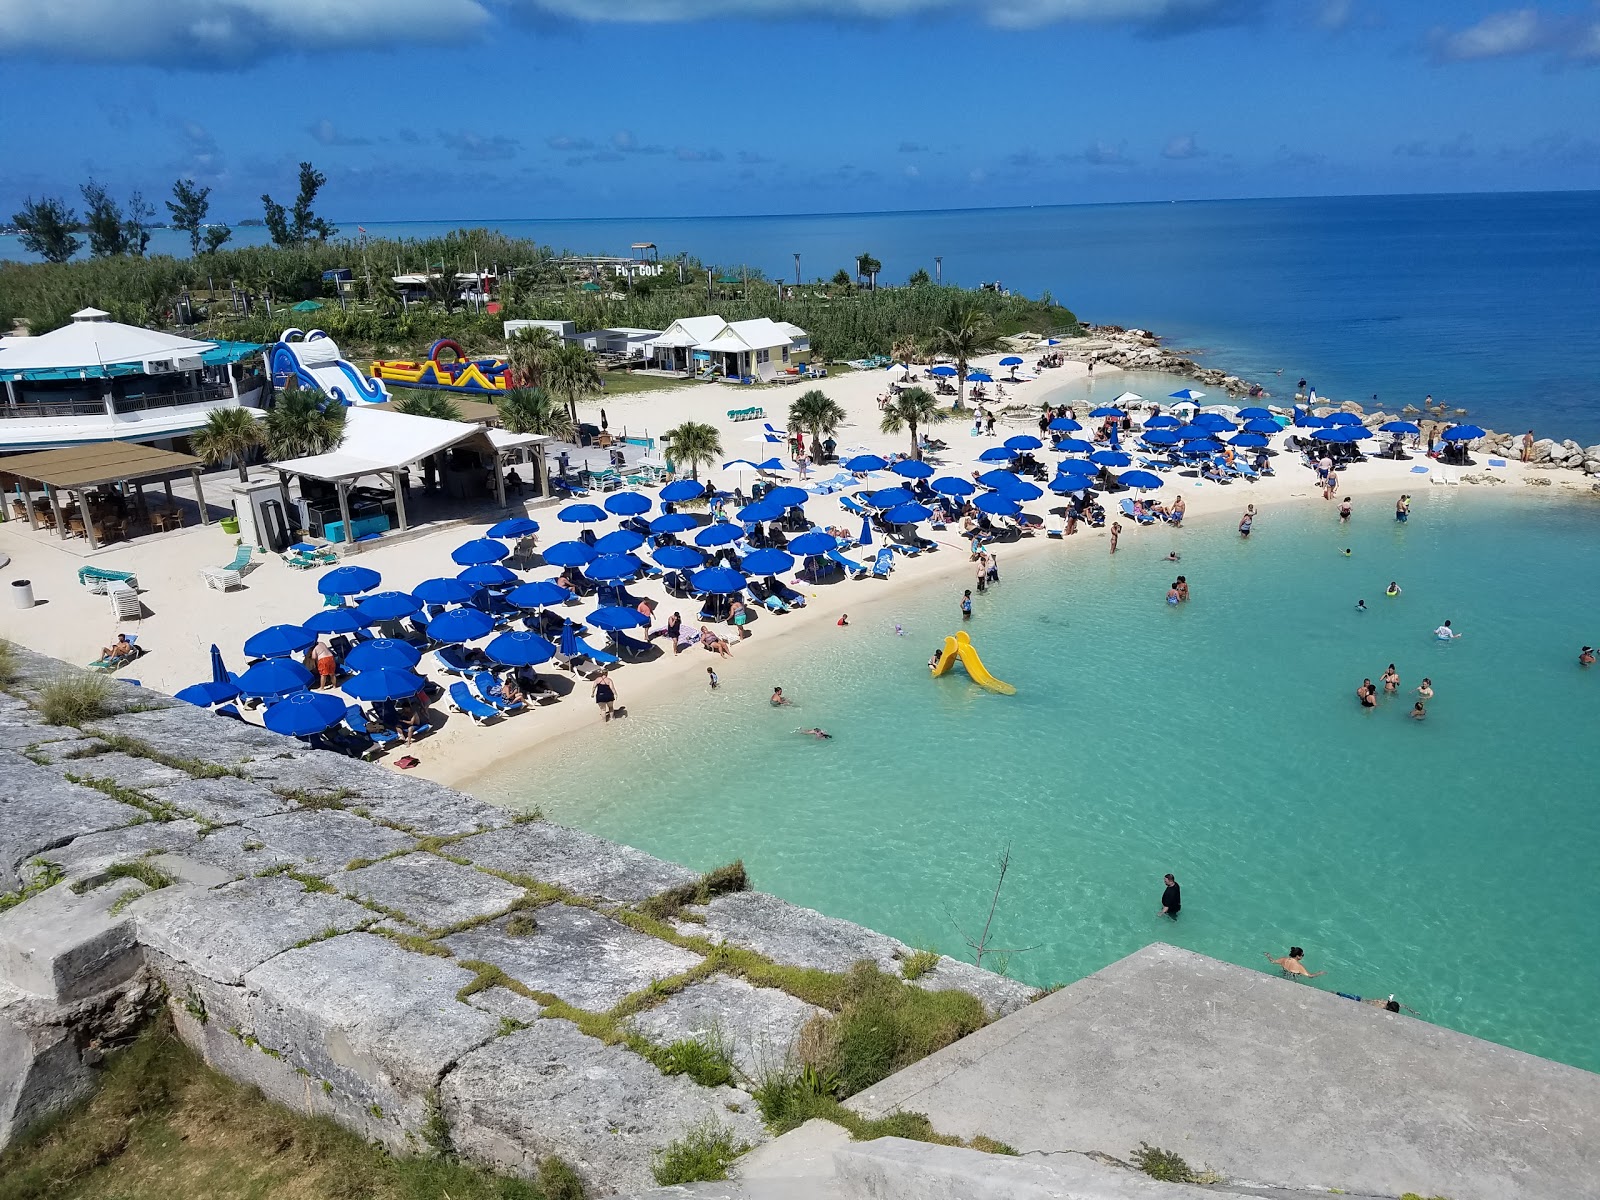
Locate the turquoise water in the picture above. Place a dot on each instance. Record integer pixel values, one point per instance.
(1451, 861)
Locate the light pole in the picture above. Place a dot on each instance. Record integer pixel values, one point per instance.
(938, 269)
(797, 268)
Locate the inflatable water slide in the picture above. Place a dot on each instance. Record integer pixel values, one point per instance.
(312, 360)
(960, 648)
(448, 369)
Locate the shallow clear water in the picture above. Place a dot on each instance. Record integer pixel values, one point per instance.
(1451, 861)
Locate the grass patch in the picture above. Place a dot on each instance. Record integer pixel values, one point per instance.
(46, 875)
(154, 809)
(666, 905)
(74, 699)
(705, 1059)
(522, 925)
(136, 748)
(311, 883)
(919, 964)
(622, 383)
(884, 1024)
(8, 663)
(789, 1100)
(142, 871)
(1163, 1164)
(309, 798)
(704, 1153)
(414, 943)
(163, 1124)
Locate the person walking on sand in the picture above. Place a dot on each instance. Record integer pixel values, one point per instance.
(966, 605)
(1291, 965)
(1116, 532)
(1527, 446)
(605, 693)
(1402, 509)
(1171, 898)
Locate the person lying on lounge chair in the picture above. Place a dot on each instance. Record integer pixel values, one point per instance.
(508, 689)
(119, 650)
(715, 644)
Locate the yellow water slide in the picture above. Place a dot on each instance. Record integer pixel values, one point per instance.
(960, 647)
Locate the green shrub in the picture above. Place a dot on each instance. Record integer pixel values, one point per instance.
(74, 699)
(884, 1025)
(8, 662)
(919, 964)
(704, 1059)
(666, 905)
(704, 1153)
(1163, 1164)
(558, 1181)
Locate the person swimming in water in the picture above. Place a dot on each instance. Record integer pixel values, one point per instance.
(1346, 551)
(1172, 556)
(1389, 1005)
(1418, 712)
(1361, 606)
(1290, 964)
(819, 734)
(1586, 657)
(778, 698)
(1391, 679)
(1425, 689)
(1394, 589)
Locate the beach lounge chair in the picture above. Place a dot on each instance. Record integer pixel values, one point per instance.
(463, 701)
(626, 646)
(356, 721)
(787, 594)
(1134, 514)
(599, 656)
(125, 604)
(452, 661)
(108, 665)
(482, 682)
(853, 506)
(96, 578)
(884, 563)
(849, 564)
(230, 576)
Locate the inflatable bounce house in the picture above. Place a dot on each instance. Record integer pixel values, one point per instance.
(449, 369)
(312, 360)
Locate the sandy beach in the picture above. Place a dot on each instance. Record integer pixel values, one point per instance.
(183, 617)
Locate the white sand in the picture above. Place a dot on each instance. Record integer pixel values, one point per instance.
(185, 617)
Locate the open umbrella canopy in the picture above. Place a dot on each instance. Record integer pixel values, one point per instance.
(676, 558)
(943, 370)
(788, 495)
(998, 504)
(1107, 411)
(443, 590)
(723, 533)
(1188, 394)
(279, 641)
(582, 514)
(1338, 434)
(979, 377)
(1193, 433)
(514, 527)
(1021, 489)
(384, 684)
(719, 580)
(1406, 427)
(1264, 425)
(1074, 446)
(618, 541)
(817, 541)
(627, 504)
(304, 713)
(1023, 442)
(488, 575)
(348, 581)
(1342, 418)
(379, 653)
(865, 462)
(907, 514)
(334, 620)
(387, 606)
(1162, 437)
(1249, 440)
(673, 523)
(1011, 360)
(479, 551)
(1064, 425)
(1143, 480)
(204, 695)
(538, 594)
(460, 625)
(1203, 446)
(612, 567)
(996, 454)
(1163, 421)
(1128, 398)
(911, 468)
(1310, 420)
(568, 554)
(889, 497)
(274, 677)
(1111, 458)
(1255, 413)
(761, 510)
(996, 478)
(766, 562)
(951, 485)
(1463, 433)
(616, 616)
(1215, 422)
(1064, 485)
(522, 648)
(683, 489)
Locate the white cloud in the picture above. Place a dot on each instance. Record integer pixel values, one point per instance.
(1183, 146)
(1499, 35)
(1012, 14)
(1103, 154)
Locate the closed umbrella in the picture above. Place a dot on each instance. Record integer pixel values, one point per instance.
(387, 606)
(278, 641)
(724, 533)
(1023, 442)
(996, 454)
(911, 468)
(1143, 480)
(348, 581)
(950, 485)
(384, 684)
(767, 562)
(615, 616)
(582, 514)
(460, 625)
(1064, 425)
(479, 551)
(569, 639)
(444, 590)
(219, 670)
(521, 648)
(618, 541)
(335, 620)
(683, 489)
(673, 523)
(997, 504)
(204, 695)
(865, 463)
(380, 653)
(488, 575)
(627, 504)
(866, 532)
(613, 567)
(274, 677)
(538, 594)
(718, 580)
(907, 514)
(677, 558)
(568, 554)
(817, 541)
(304, 713)
(514, 527)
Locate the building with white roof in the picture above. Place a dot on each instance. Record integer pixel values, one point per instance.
(760, 348)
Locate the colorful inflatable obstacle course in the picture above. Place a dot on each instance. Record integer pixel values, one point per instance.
(447, 368)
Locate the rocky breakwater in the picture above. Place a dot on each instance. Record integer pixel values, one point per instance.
(1141, 350)
(427, 969)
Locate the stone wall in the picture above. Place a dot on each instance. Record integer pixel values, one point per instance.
(371, 946)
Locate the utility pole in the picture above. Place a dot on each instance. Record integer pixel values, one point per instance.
(938, 269)
(797, 268)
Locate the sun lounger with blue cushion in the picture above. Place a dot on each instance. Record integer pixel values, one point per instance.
(452, 660)
(1128, 510)
(849, 564)
(884, 563)
(629, 647)
(357, 723)
(599, 656)
(463, 701)
(787, 594)
(482, 682)
(852, 505)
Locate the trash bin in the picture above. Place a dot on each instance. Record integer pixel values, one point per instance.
(230, 525)
(22, 593)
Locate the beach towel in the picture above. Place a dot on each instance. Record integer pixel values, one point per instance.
(687, 638)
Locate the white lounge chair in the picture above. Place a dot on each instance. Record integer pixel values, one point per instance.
(125, 604)
(230, 576)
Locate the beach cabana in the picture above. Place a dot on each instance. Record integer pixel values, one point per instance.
(674, 349)
(760, 348)
(81, 471)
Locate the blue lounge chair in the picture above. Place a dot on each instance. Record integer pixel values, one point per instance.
(357, 723)
(482, 682)
(884, 563)
(599, 656)
(852, 505)
(453, 661)
(787, 594)
(849, 564)
(629, 647)
(463, 701)
(1134, 514)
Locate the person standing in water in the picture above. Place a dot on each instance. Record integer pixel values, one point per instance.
(1391, 680)
(1344, 511)
(1171, 898)
(1425, 689)
(1116, 532)
(605, 694)
(1586, 657)
(1402, 508)
(966, 605)
(1291, 965)
(1248, 520)
(1446, 634)
(778, 698)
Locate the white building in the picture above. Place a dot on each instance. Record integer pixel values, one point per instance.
(760, 348)
(674, 350)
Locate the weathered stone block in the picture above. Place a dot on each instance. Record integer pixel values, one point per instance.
(186, 732)
(130, 841)
(757, 1025)
(549, 1089)
(317, 840)
(578, 955)
(416, 803)
(39, 810)
(221, 801)
(66, 947)
(62, 750)
(579, 862)
(123, 769)
(430, 891)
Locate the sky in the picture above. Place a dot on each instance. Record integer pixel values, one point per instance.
(502, 109)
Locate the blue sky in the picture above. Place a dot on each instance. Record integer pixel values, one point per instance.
(461, 109)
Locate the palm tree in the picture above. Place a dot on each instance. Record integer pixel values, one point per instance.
(965, 335)
(424, 402)
(694, 445)
(911, 408)
(816, 414)
(530, 354)
(302, 423)
(869, 267)
(229, 433)
(571, 374)
(534, 410)
(443, 289)
(905, 349)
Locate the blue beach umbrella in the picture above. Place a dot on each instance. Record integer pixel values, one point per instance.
(204, 695)
(386, 606)
(1193, 433)
(979, 377)
(348, 581)
(1215, 423)
(582, 514)
(538, 594)
(1023, 442)
(673, 523)
(683, 489)
(279, 641)
(943, 370)
(479, 551)
(1064, 484)
(384, 684)
(770, 464)
(304, 713)
(1203, 446)
(1253, 441)
(613, 567)
(335, 620)
(724, 533)
(761, 510)
(568, 554)
(996, 454)
(1188, 394)
(618, 541)
(1108, 411)
(1162, 437)
(997, 479)
(1021, 489)
(1264, 425)
(1111, 458)
(908, 514)
(788, 496)
(676, 558)
(766, 562)
(514, 527)
(950, 485)
(1143, 480)
(522, 648)
(1163, 421)
(615, 616)
(569, 638)
(866, 532)
(1463, 433)
(1011, 360)
(1255, 413)
(383, 653)
(1340, 434)
(1310, 420)
(488, 575)
(889, 497)
(627, 504)
(718, 580)
(460, 625)
(1074, 446)
(1404, 427)
(1342, 418)
(911, 468)
(219, 671)
(444, 590)
(817, 541)
(274, 677)
(865, 462)
(997, 504)
(1077, 466)
(1064, 425)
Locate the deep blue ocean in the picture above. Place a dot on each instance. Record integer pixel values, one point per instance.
(1488, 302)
